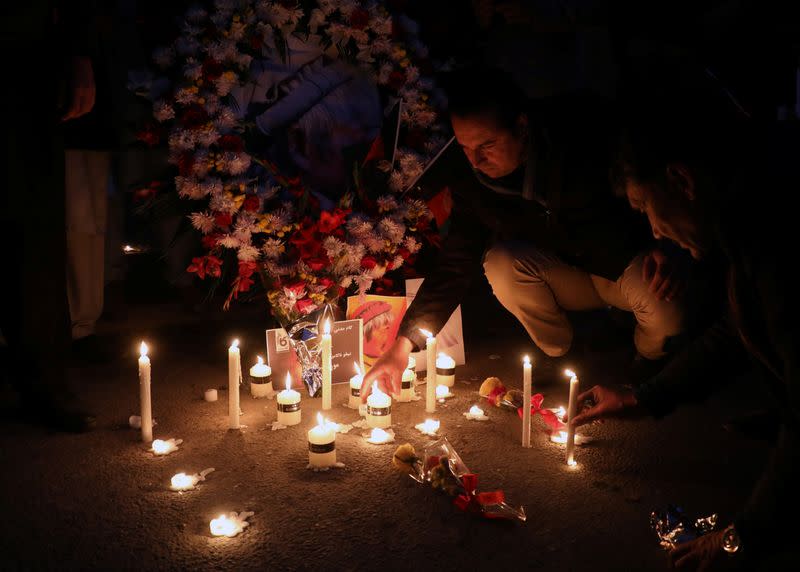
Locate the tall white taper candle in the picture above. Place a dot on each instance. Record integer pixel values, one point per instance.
(234, 377)
(144, 394)
(572, 410)
(326, 365)
(526, 402)
(430, 374)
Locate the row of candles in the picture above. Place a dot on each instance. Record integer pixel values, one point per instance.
(322, 437)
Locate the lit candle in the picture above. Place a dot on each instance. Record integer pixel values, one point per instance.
(229, 524)
(327, 366)
(572, 407)
(378, 437)
(288, 402)
(322, 444)
(182, 482)
(144, 394)
(356, 381)
(559, 437)
(379, 408)
(407, 385)
(260, 379)
(526, 402)
(443, 392)
(430, 374)
(234, 377)
(161, 447)
(445, 370)
(476, 414)
(428, 427)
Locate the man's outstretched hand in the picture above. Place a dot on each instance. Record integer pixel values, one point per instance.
(388, 370)
(607, 403)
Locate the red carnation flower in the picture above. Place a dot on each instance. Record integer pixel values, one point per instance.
(232, 143)
(251, 203)
(368, 262)
(404, 252)
(223, 219)
(325, 282)
(330, 221)
(359, 18)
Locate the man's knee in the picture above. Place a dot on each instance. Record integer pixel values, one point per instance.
(498, 265)
(658, 316)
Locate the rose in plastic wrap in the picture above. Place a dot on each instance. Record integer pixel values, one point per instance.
(442, 467)
(498, 395)
(673, 526)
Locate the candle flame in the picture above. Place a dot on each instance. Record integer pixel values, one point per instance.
(358, 369)
(427, 333)
(223, 526)
(560, 437)
(320, 421)
(288, 381)
(569, 373)
(526, 360)
(143, 350)
(572, 463)
(235, 344)
(326, 329)
(260, 360)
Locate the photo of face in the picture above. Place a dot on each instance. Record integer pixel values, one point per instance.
(379, 326)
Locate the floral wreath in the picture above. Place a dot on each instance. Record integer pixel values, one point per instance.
(308, 251)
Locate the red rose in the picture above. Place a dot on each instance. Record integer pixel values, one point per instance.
(251, 203)
(325, 282)
(223, 220)
(194, 116)
(330, 221)
(232, 143)
(368, 262)
(404, 252)
(396, 79)
(305, 305)
(212, 69)
(359, 18)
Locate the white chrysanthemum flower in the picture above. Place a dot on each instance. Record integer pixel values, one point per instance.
(346, 281)
(273, 248)
(382, 26)
(196, 14)
(213, 186)
(188, 187)
(182, 140)
(364, 283)
(229, 241)
(226, 120)
(384, 72)
(392, 230)
(248, 253)
(396, 181)
(192, 70)
(281, 218)
(350, 262)
(203, 222)
(359, 226)
(380, 46)
(185, 96)
(187, 46)
(333, 246)
(411, 97)
(423, 118)
(373, 243)
(387, 203)
(412, 244)
(237, 163)
(397, 262)
(412, 74)
(207, 136)
(225, 83)
(200, 165)
(246, 222)
(163, 111)
(164, 57)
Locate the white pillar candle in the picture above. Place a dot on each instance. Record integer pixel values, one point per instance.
(322, 444)
(327, 366)
(260, 379)
(234, 377)
(354, 400)
(407, 386)
(572, 408)
(445, 370)
(526, 402)
(430, 374)
(379, 408)
(210, 395)
(288, 402)
(144, 394)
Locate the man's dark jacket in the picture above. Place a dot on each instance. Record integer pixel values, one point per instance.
(574, 214)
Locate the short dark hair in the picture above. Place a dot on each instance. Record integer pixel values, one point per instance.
(484, 90)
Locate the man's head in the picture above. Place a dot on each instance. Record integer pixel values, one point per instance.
(488, 112)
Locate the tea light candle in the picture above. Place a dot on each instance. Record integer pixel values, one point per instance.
(229, 524)
(288, 402)
(428, 427)
(182, 482)
(160, 447)
(526, 402)
(476, 414)
(407, 385)
(210, 395)
(430, 374)
(322, 444)
(445, 370)
(559, 437)
(144, 394)
(442, 393)
(571, 412)
(234, 378)
(260, 379)
(354, 400)
(327, 367)
(379, 437)
(379, 408)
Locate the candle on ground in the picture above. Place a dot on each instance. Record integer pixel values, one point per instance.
(260, 379)
(161, 447)
(428, 427)
(234, 377)
(442, 393)
(144, 394)
(476, 414)
(210, 395)
(572, 407)
(182, 482)
(430, 374)
(407, 385)
(288, 403)
(322, 444)
(378, 436)
(229, 524)
(379, 408)
(354, 400)
(327, 366)
(526, 402)
(445, 370)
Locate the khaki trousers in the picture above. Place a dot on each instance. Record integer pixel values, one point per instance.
(537, 288)
(87, 173)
